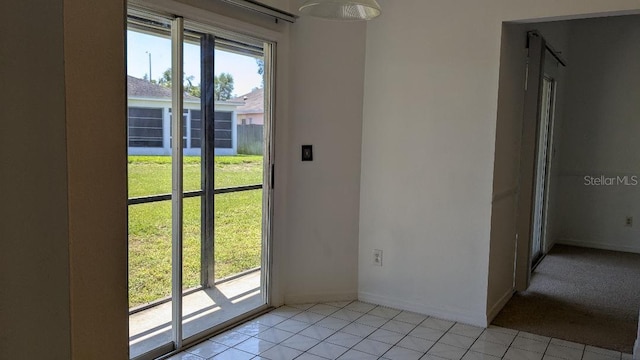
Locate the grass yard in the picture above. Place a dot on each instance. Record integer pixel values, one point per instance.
(237, 219)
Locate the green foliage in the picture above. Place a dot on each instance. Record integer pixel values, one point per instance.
(165, 79)
(237, 218)
(189, 87)
(223, 86)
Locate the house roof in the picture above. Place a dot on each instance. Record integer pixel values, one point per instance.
(253, 102)
(145, 89)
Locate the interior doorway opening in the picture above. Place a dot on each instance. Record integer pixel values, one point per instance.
(588, 191)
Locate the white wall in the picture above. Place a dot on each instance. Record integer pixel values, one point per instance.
(430, 105)
(601, 135)
(506, 169)
(326, 89)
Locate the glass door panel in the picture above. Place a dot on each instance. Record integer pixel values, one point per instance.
(232, 161)
(238, 233)
(149, 284)
(542, 168)
(199, 209)
(193, 218)
(149, 186)
(239, 177)
(195, 304)
(192, 238)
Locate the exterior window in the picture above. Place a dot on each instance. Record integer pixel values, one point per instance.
(222, 126)
(145, 127)
(196, 128)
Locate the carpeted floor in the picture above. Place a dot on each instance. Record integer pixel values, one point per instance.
(584, 295)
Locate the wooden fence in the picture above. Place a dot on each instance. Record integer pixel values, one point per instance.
(250, 139)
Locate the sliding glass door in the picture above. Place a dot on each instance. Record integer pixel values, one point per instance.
(199, 195)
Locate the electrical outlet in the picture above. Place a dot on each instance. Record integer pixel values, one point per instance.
(377, 257)
(628, 221)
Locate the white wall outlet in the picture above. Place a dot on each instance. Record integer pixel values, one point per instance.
(628, 221)
(377, 257)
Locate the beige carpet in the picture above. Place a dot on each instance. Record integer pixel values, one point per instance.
(584, 295)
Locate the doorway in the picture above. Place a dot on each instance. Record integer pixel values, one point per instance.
(200, 184)
(583, 213)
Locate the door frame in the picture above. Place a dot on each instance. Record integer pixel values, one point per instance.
(542, 183)
(268, 46)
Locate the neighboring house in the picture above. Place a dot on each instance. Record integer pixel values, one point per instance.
(149, 125)
(252, 112)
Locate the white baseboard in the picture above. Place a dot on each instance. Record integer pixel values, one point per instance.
(319, 297)
(497, 307)
(458, 316)
(599, 245)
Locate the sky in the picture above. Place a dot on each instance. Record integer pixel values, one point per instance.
(243, 68)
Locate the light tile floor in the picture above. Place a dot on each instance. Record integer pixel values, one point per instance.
(362, 331)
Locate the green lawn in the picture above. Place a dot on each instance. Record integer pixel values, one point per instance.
(237, 222)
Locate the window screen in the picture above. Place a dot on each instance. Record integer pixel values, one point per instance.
(222, 127)
(145, 127)
(196, 128)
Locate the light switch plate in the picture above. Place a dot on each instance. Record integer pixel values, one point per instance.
(307, 152)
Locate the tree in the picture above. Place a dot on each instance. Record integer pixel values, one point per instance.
(165, 79)
(189, 88)
(223, 86)
(260, 63)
